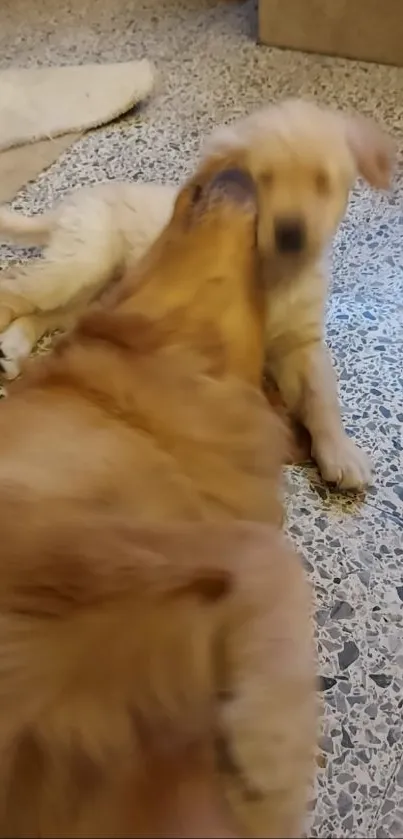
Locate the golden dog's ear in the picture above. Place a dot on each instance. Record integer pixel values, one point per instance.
(374, 151)
(219, 180)
(231, 183)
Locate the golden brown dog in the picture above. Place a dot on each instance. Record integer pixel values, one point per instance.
(305, 160)
(156, 673)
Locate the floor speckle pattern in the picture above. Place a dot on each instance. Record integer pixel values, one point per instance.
(211, 70)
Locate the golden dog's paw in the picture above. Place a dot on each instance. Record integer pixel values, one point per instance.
(341, 462)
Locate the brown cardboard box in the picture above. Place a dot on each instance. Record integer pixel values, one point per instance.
(370, 30)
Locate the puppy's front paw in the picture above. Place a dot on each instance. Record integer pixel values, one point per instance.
(14, 348)
(341, 462)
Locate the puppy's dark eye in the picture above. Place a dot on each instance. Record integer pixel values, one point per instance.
(267, 178)
(322, 183)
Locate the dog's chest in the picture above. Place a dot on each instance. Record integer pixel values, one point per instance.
(294, 313)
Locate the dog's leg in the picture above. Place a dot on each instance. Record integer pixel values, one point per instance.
(84, 251)
(52, 283)
(19, 339)
(12, 305)
(307, 382)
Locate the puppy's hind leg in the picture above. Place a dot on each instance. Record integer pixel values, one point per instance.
(12, 305)
(26, 230)
(85, 249)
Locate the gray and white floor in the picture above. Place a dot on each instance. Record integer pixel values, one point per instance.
(212, 70)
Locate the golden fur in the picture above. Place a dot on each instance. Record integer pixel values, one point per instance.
(305, 160)
(146, 628)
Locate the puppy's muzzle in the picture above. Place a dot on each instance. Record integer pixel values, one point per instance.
(289, 235)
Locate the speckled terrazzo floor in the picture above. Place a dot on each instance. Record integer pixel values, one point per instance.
(211, 70)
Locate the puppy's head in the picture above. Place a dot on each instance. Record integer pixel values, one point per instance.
(304, 160)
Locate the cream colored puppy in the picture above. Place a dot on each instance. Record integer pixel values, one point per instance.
(305, 161)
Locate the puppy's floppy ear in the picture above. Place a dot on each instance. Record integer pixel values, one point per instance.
(373, 150)
(224, 141)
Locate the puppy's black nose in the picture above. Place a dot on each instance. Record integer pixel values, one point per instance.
(289, 235)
